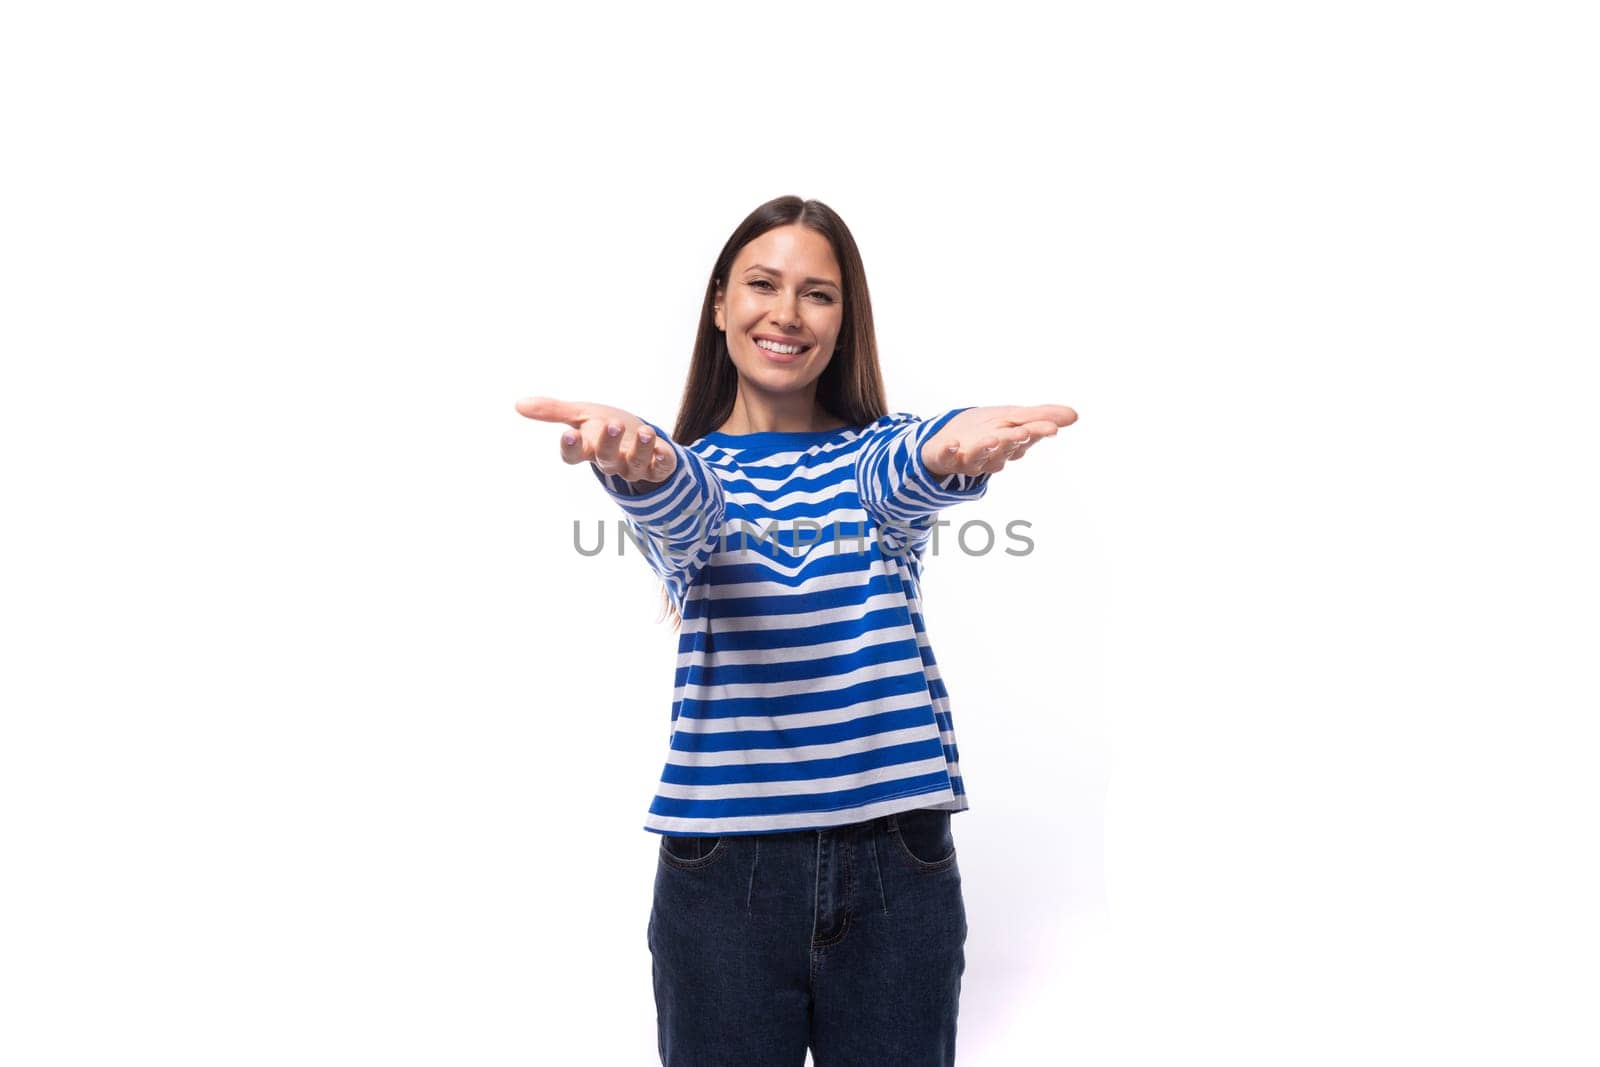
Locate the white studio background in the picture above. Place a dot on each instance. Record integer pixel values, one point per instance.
(322, 745)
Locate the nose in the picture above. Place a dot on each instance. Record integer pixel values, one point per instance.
(787, 312)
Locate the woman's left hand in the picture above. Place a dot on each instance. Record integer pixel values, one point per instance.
(983, 440)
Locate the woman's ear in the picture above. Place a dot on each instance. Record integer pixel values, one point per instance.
(716, 311)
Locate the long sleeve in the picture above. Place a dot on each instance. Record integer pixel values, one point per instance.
(896, 488)
(677, 522)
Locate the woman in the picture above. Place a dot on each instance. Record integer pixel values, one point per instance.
(806, 892)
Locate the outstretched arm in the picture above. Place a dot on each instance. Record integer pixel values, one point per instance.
(908, 471)
(982, 440)
(672, 499)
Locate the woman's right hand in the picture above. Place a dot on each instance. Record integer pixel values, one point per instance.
(615, 441)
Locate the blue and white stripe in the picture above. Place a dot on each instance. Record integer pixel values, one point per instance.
(806, 693)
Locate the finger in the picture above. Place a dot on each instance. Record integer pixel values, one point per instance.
(992, 462)
(1014, 445)
(974, 457)
(549, 409)
(659, 460)
(646, 452)
(957, 459)
(1055, 414)
(574, 449)
(962, 458)
(608, 445)
(976, 461)
(636, 450)
(1008, 442)
(992, 458)
(662, 462)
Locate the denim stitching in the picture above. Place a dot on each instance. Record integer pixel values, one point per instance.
(751, 892)
(718, 850)
(816, 888)
(847, 861)
(878, 870)
(923, 866)
(844, 928)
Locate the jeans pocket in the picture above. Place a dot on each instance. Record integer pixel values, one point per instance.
(923, 839)
(689, 853)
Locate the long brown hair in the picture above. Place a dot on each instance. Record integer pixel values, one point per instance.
(850, 388)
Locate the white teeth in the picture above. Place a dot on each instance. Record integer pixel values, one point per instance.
(773, 346)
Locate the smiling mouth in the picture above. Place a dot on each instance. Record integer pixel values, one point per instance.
(781, 353)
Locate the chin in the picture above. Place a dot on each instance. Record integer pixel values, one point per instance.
(782, 386)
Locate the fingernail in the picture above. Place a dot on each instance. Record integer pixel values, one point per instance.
(644, 436)
(613, 430)
(569, 438)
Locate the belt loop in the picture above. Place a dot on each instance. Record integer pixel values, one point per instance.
(893, 823)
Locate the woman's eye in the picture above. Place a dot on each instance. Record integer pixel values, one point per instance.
(758, 283)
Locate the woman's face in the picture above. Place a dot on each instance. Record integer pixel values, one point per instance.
(782, 292)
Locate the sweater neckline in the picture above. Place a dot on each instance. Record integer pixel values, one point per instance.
(771, 438)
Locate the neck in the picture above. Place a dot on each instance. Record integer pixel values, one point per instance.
(792, 413)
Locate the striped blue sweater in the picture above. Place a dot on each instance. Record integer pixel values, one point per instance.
(806, 693)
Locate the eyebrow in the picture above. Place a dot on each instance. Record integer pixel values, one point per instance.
(808, 281)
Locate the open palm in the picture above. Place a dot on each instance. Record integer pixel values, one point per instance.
(983, 440)
(614, 440)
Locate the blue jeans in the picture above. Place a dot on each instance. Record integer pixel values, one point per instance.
(848, 940)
